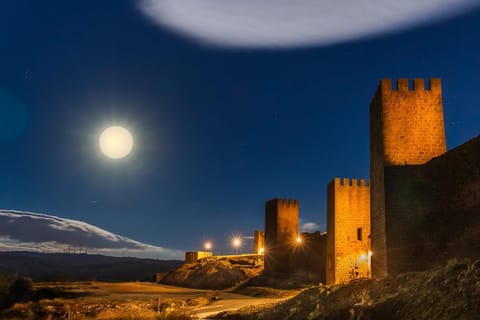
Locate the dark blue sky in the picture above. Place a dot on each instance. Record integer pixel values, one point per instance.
(217, 131)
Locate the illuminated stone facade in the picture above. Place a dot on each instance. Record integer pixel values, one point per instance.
(281, 231)
(420, 208)
(425, 202)
(258, 242)
(192, 256)
(288, 252)
(348, 231)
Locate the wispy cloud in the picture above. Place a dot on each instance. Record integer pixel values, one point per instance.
(309, 227)
(26, 231)
(291, 23)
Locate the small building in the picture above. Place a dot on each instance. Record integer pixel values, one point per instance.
(192, 256)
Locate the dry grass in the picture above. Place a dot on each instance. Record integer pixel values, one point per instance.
(104, 300)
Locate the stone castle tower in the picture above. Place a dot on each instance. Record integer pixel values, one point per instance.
(258, 242)
(406, 129)
(281, 231)
(348, 231)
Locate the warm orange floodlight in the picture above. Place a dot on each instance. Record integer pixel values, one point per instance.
(208, 245)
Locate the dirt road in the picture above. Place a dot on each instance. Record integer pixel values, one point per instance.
(147, 299)
(230, 303)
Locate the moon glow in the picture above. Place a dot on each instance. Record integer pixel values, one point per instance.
(116, 142)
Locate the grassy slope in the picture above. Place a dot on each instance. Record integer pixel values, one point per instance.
(449, 292)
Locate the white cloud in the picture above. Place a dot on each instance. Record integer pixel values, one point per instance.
(293, 23)
(309, 227)
(26, 231)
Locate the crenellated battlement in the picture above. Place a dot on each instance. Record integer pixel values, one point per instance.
(347, 182)
(287, 202)
(418, 84)
(406, 122)
(404, 86)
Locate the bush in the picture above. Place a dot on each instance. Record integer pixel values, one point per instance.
(5, 283)
(21, 289)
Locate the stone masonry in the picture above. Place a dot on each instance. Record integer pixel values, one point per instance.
(348, 230)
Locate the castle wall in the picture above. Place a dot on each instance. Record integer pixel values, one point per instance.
(406, 189)
(425, 202)
(348, 231)
(377, 189)
(281, 231)
(433, 209)
(192, 256)
(310, 257)
(412, 122)
(258, 242)
(455, 205)
(406, 128)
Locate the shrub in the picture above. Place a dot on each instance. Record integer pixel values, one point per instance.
(21, 288)
(5, 283)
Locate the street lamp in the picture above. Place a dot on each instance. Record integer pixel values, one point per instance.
(236, 243)
(299, 240)
(208, 246)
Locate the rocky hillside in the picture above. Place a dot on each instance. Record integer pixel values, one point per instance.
(448, 292)
(216, 272)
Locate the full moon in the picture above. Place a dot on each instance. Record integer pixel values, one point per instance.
(116, 142)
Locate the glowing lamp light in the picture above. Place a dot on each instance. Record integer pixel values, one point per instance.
(208, 246)
(236, 242)
(363, 257)
(299, 240)
(370, 253)
(262, 250)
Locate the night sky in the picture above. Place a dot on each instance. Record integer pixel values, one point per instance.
(217, 130)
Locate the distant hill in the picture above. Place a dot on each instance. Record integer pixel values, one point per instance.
(82, 267)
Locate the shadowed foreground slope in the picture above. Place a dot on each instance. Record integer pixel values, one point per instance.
(449, 292)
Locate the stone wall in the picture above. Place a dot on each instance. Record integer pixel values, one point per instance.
(310, 257)
(406, 128)
(433, 210)
(412, 122)
(425, 202)
(281, 231)
(348, 230)
(258, 242)
(192, 256)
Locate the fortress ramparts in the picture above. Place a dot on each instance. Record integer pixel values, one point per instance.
(348, 230)
(281, 230)
(423, 198)
(420, 207)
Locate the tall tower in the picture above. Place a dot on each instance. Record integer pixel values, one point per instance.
(258, 242)
(406, 128)
(281, 232)
(348, 231)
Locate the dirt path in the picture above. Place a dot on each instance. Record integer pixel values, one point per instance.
(145, 299)
(231, 304)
